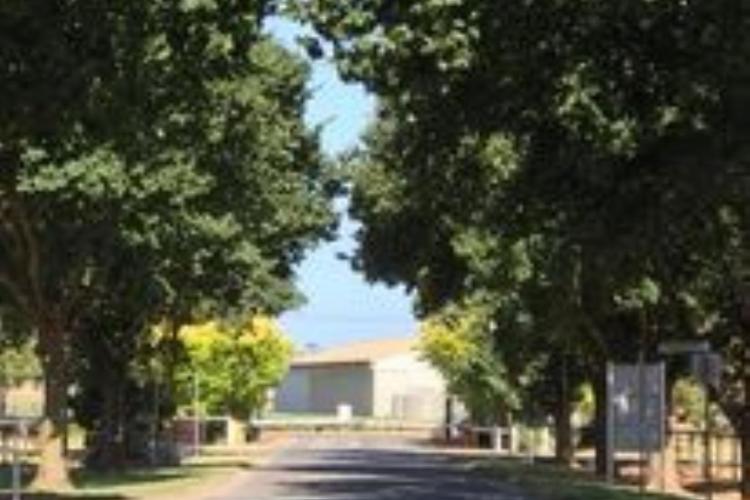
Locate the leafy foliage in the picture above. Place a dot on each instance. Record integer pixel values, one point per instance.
(618, 220)
(155, 165)
(234, 366)
(459, 345)
(18, 364)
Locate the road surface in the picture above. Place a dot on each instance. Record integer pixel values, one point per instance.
(351, 467)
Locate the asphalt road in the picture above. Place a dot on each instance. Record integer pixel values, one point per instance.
(354, 467)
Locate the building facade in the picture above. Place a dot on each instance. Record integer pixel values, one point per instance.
(383, 379)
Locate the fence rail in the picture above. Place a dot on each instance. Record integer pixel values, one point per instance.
(724, 451)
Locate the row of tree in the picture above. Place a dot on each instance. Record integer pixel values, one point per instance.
(154, 169)
(577, 170)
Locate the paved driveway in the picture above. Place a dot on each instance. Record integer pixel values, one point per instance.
(355, 467)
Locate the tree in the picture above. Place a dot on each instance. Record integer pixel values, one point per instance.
(628, 167)
(234, 366)
(458, 344)
(110, 366)
(83, 82)
(166, 136)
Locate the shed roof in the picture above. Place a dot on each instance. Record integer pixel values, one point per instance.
(358, 352)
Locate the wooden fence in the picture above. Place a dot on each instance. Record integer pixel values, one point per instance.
(724, 452)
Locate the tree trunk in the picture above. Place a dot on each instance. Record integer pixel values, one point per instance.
(564, 452)
(564, 449)
(107, 450)
(600, 420)
(52, 473)
(745, 442)
(173, 325)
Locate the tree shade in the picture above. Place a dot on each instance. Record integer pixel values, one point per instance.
(582, 163)
(155, 165)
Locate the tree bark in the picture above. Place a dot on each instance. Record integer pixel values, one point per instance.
(600, 420)
(564, 448)
(52, 473)
(107, 451)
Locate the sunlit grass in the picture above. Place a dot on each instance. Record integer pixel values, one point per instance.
(554, 482)
(136, 482)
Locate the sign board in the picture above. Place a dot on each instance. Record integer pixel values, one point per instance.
(637, 406)
(673, 347)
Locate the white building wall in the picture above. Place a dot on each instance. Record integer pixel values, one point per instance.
(321, 389)
(401, 387)
(407, 388)
(293, 395)
(334, 385)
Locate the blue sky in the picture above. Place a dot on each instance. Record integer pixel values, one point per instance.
(341, 306)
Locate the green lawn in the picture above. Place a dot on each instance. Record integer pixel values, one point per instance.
(552, 482)
(163, 482)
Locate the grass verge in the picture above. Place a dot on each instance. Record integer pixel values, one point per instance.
(554, 482)
(135, 483)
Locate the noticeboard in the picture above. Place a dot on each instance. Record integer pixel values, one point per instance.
(637, 406)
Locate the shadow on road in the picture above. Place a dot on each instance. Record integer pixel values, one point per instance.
(63, 496)
(384, 475)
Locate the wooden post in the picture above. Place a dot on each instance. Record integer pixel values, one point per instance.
(707, 467)
(610, 423)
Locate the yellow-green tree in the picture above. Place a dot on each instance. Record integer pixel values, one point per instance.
(458, 343)
(234, 366)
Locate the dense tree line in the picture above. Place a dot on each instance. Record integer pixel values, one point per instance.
(580, 168)
(154, 167)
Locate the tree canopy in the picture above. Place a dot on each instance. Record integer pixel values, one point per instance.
(155, 165)
(583, 162)
(458, 344)
(234, 366)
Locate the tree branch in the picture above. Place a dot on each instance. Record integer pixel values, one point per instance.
(17, 294)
